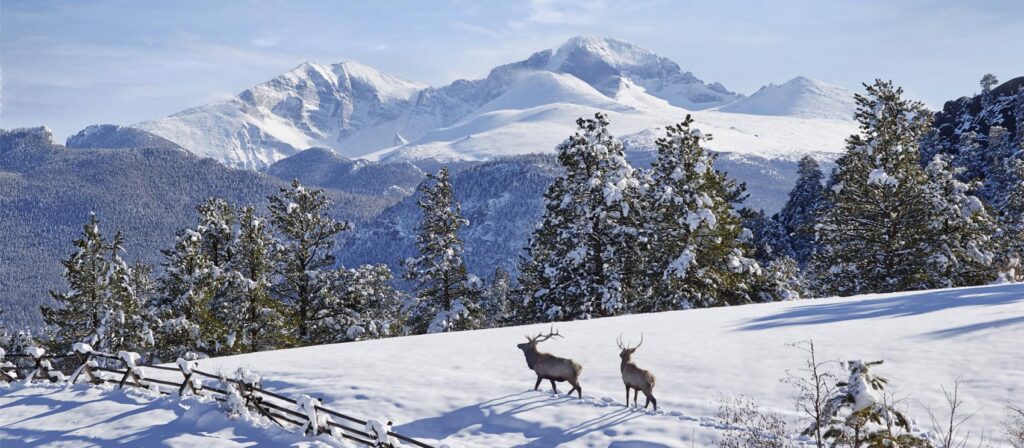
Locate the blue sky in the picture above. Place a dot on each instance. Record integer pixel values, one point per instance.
(68, 64)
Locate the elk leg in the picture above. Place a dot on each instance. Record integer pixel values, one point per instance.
(627, 396)
(537, 386)
(579, 391)
(553, 387)
(654, 401)
(635, 393)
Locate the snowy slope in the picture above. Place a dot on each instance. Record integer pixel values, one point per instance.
(798, 97)
(524, 120)
(527, 106)
(471, 389)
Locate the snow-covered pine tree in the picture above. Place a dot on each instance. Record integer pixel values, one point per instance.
(861, 414)
(80, 311)
(495, 303)
(768, 240)
(256, 321)
(963, 251)
(697, 256)
(1010, 238)
(360, 303)
(129, 324)
(446, 300)
(585, 254)
(799, 215)
(875, 234)
(188, 326)
(216, 230)
(307, 235)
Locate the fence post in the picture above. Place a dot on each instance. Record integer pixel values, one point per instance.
(81, 350)
(129, 359)
(186, 370)
(8, 371)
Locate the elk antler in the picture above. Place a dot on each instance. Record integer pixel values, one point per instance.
(543, 337)
(618, 341)
(626, 347)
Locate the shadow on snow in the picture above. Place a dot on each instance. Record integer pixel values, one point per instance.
(819, 312)
(500, 416)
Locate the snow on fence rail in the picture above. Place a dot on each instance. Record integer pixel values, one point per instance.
(305, 412)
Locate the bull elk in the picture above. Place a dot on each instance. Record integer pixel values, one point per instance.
(634, 377)
(550, 367)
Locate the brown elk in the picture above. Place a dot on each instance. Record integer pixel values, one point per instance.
(634, 377)
(550, 367)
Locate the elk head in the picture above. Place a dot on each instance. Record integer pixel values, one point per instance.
(627, 351)
(531, 343)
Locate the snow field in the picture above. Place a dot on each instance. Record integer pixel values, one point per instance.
(473, 389)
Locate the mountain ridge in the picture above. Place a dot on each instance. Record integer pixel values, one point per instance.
(359, 111)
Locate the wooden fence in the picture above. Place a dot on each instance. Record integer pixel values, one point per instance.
(275, 407)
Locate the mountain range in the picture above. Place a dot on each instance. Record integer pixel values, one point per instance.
(523, 107)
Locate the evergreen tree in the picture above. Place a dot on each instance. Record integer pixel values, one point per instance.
(697, 254)
(496, 300)
(799, 216)
(860, 414)
(767, 238)
(80, 312)
(215, 229)
(359, 304)
(187, 322)
(875, 236)
(446, 300)
(255, 319)
(585, 256)
(129, 325)
(307, 236)
(1010, 237)
(962, 252)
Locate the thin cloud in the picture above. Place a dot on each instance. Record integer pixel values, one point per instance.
(563, 12)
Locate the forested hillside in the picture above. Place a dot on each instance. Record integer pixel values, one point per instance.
(47, 191)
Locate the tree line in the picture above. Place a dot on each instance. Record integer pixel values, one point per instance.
(614, 239)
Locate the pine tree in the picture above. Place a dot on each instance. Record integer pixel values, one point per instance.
(360, 303)
(129, 325)
(446, 300)
(874, 236)
(1010, 237)
(307, 236)
(861, 414)
(496, 300)
(215, 229)
(799, 216)
(80, 311)
(188, 325)
(586, 252)
(255, 319)
(963, 248)
(768, 240)
(697, 257)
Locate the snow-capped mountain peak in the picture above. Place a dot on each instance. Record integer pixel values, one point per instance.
(522, 107)
(799, 97)
(348, 106)
(605, 62)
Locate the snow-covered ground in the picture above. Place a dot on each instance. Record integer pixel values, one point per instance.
(473, 388)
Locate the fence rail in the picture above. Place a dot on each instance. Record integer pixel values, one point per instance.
(275, 407)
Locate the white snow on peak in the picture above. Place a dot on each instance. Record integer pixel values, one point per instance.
(523, 107)
(616, 53)
(798, 97)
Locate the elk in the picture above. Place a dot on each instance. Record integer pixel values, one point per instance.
(634, 377)
(550, 367)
